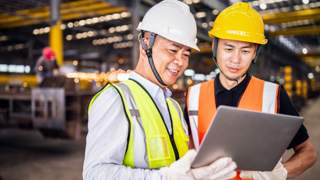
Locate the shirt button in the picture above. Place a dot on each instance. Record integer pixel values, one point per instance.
(228, 92)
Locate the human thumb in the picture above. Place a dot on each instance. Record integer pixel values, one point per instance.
(246, 174)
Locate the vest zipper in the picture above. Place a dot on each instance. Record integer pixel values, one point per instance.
(174, 147)
(173, 144)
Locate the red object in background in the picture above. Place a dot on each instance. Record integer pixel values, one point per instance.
(48, 53)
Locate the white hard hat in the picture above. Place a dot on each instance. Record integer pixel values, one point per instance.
(173, 20)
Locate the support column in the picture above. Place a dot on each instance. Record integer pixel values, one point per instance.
(30, 60)
(135, 22)
(55, 36)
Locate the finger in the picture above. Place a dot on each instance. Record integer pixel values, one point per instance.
(207, 172)
(246, 174)
(185, 162)
(222, 172)
(220, 163)
(191, 154)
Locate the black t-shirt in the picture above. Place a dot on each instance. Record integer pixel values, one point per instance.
(231, 98)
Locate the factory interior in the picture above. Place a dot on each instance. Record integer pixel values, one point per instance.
(43, 119)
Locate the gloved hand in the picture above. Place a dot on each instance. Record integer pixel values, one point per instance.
(278, 173)
(222, 168)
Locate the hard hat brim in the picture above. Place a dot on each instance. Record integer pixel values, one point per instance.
(238, 37)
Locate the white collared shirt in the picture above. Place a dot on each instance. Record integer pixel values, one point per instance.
(108, 132)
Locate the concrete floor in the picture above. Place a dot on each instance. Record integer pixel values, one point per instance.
(26, 155)
(311, 114)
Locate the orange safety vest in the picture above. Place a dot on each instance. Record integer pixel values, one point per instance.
(259, 96)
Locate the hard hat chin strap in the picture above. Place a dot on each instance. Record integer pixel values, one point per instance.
(214, 56)
(149, 55)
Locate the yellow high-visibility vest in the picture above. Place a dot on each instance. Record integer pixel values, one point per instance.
(162, 149)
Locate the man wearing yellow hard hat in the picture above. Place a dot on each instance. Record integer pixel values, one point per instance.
(238, 34)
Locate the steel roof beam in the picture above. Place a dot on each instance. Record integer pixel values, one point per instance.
(215, 4)
(310, 54)
(312, 61)
(74, 10)
(299, 31)
(291, 16)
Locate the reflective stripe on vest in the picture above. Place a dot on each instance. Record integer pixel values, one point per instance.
(149, 143)
(259, 96)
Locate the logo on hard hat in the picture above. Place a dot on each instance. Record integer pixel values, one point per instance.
(241, 33)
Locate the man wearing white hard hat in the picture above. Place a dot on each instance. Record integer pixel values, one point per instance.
(136, 131)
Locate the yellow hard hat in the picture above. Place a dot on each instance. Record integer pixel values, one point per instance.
(239, 22)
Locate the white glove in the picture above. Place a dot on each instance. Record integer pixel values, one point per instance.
(278, 173)
(223, 168)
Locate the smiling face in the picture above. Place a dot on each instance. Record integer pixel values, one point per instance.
(234, 57)
(170, 59)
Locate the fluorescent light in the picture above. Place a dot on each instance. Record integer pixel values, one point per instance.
(213, 74)
(3, 68)
(215, 12)
(208, 77)
(304, 51)
(217, 70)
(263, 6)
(305, 1)
(27, 69)
(189, 72)
(12, 68)
(204, 25)
(201, 14)
(19, 68)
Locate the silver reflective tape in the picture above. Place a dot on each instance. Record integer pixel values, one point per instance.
(176, 106)
(193, 106)
(193, 113)
(139, 143)
(194, 129)
(194, 94)
(134, 112)
(269, 97)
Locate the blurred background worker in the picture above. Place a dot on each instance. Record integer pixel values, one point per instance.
(135, 128)
(238, 34)
(46, 65)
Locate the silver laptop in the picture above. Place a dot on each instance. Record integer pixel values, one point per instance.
(254, 140)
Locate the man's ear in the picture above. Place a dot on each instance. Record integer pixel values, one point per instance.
(142, 51)
(212, 44)
(255, 51)
(146, 41)
(146, 38)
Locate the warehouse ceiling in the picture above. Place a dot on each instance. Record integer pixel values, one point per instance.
(103, 30)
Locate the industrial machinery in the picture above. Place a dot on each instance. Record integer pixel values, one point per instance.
(56, 108)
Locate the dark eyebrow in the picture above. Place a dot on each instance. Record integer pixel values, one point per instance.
(226, 44)
(249, 46)
(178, 46)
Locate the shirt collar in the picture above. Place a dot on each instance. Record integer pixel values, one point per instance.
(240, 88)
(152, 88)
